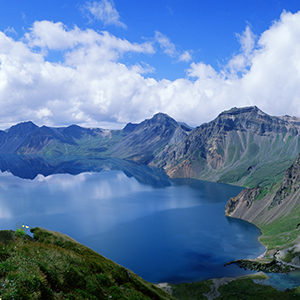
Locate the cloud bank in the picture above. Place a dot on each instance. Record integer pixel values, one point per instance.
(91, 87)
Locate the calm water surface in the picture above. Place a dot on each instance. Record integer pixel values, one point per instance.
(176, 234)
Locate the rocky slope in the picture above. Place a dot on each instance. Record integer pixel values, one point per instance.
(275, 210)
(239, 146)
(143, 141)
(264, 205)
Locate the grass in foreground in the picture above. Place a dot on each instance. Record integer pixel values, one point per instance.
(238, 288)
(191, 291)
(53, 266)
(247, 289)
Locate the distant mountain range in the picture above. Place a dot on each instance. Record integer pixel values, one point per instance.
(242, 146)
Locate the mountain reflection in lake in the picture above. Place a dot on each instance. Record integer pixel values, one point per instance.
(176, 233)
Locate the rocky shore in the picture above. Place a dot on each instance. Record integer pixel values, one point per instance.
(273, 266)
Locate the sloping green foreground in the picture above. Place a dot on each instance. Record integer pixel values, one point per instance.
(53, 266)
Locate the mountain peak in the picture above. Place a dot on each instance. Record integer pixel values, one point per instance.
(23, 127)
(161, 118)
(242, 110)
(160, 115)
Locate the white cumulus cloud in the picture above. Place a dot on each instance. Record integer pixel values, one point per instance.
(91, 86)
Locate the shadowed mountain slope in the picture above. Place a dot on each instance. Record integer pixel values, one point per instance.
(145, 140)
(138, 142)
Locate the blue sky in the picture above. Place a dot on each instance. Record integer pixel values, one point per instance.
(105, 63)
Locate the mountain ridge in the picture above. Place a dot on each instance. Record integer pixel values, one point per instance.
(238, 147)
(233, 146)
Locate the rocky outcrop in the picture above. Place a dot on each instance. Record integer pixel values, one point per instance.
(183, 170)
(242, 202)
(263, 206)
(273, 266)
(290, 183)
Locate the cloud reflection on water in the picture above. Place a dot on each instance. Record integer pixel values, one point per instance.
(101, 200)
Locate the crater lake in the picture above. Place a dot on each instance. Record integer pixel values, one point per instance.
(165, 231)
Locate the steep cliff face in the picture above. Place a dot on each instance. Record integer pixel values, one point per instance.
(275, 210)
(289, 185)
(239, 146)
(239, 205)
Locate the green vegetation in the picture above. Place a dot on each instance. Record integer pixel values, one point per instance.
(290, 255)
(85, 146)
(53, 266)
(264, 191)
(282, 232)
(245, 287)
(264, 175)
(230, 153)
(21, 230)
(220, 150)
(235, 175)
(190, 291)
(253, 150)
(268, 173)
(262, 265)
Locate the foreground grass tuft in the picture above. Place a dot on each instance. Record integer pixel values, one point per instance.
(53, 266)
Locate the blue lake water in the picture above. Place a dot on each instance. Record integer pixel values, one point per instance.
(177, 233)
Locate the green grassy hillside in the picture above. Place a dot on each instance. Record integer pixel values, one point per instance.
(53, 266)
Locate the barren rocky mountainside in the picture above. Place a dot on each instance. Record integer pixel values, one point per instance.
(275, 210)
(239, 147)
(265, 205)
